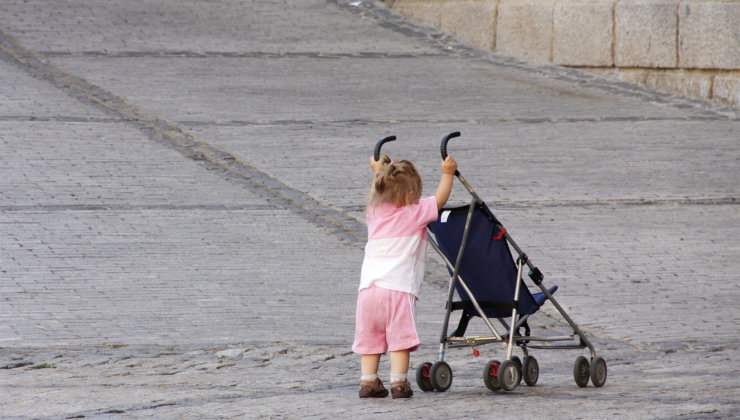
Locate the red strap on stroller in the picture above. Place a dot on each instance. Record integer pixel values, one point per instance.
(500, 235)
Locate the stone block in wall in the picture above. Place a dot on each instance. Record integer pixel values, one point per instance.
(582, 32)
(709, 34)
(524, 29)
(473, 22)
(427, 13)
(645, 33)
(727, 89)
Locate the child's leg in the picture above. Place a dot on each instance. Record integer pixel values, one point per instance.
(401, 334)
(400, 387)
(369, 364)
(399, 364)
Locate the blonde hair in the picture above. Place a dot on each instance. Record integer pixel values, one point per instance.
(394, 183)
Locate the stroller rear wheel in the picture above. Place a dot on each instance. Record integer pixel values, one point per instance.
(490, 375)
(530, 370)
(581, 371)
(509, 375)
(423, 377)
(441, 376)
(598, 371)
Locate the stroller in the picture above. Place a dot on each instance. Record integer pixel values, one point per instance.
(476, 249)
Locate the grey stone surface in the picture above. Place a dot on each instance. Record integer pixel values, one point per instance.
(181, 228)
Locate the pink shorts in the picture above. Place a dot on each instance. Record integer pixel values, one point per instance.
(385, 321)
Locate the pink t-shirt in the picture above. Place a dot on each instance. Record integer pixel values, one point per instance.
(396, 246)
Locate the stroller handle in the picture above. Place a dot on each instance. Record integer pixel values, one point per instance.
(379, 144)
(445, 139)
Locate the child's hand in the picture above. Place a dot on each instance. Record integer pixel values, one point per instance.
(377, 165)
(449, 166)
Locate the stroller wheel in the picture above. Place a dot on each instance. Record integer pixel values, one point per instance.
(518, 362)
(581, 371)
(509, 375)
(422, 377)
(530, 370)
(490, 375)
(598, 371)
(441, 376)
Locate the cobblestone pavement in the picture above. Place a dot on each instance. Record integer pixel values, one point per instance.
(181, 196)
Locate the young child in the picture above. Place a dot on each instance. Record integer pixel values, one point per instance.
(393, 270)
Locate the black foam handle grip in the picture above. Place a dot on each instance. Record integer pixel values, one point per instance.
(380, 144)
(445, 139)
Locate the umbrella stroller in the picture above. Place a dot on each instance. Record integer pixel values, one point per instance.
(477, 251)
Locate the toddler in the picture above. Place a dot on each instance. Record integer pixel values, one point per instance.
(393, 270)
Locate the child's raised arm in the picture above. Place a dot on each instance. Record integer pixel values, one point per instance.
(449, 166)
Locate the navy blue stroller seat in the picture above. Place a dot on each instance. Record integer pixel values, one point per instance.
(486, 266)
(489, 282)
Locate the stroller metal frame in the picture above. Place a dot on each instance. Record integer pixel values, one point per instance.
(507, 374)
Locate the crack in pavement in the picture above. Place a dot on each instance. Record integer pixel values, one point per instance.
(248, 54)
(130, 207)
(374, 121)
(622, 202)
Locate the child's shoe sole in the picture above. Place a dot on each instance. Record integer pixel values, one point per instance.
(401, 390)
(372, 389)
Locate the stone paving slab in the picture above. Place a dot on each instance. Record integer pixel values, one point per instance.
(172, 249)
(20, 99)
(339, 91)
(573, 161)
(65, 163)
(167, 276)
(192, 27)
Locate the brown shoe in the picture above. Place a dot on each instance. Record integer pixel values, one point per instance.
(373, 389)
(401, 390)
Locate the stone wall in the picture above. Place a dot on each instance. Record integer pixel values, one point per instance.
(690, 47)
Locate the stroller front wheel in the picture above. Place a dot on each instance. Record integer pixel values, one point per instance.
(530, 370)
(598, 371)
(441, 376)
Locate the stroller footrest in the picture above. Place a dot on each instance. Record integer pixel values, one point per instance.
(541, 297)
(546, 339)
